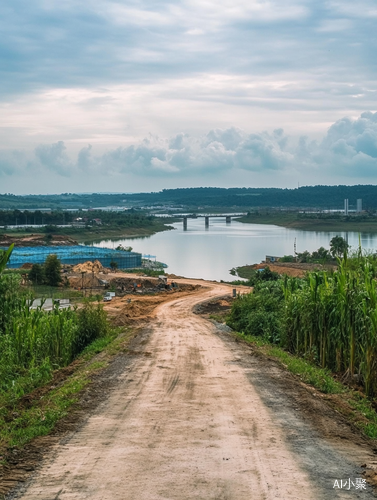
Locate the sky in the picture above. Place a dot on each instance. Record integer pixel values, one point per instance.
(141, 95)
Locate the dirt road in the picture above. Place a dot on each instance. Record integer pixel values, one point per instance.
(196, 417)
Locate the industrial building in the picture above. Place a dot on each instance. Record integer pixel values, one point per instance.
(74, 255)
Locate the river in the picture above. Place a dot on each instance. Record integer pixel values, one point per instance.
(210, 253)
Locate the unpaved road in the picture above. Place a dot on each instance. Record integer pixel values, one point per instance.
(197, 418)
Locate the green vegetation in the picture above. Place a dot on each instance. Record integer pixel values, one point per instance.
(4, 257)
(319, 378)
(87, 226)
(326, 197)
(260, 313)
(355, 407)
(20, 423)
(47, 274)
(253, 276)
(338, 246)
(328, 318)
(34, 343)
(52, 270)
(366, 223)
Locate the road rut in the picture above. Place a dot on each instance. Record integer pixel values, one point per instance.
(189, 421)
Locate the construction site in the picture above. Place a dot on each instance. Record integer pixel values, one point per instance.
(75, 254)
(92, 277)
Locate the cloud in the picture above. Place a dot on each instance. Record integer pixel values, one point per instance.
(347, 151)
(350, 147)
(54, 157)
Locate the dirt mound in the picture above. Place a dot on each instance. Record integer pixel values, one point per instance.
(27, 265)
(213, 306)
(145, 285)
(87, 281)
(89, 267)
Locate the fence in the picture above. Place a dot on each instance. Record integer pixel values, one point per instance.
(74, 255)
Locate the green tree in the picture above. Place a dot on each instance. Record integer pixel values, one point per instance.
(52, 270)
(320, 254)
(113, 265)
(37, 274)
(338, 246)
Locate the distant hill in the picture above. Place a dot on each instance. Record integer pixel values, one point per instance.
(322, 197)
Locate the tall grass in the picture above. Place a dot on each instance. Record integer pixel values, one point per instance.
(327, 317)
(33, 343)
(334, 317)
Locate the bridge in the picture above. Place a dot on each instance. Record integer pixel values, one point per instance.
(206, 217)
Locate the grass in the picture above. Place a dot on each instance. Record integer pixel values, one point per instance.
(20, 425)
(360, 411)
(291, 220)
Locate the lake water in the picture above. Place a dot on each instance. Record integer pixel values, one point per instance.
(211, 252)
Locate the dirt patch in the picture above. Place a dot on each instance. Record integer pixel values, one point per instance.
(292, 269)
(214, 306)
(125, 310)
(36, 240)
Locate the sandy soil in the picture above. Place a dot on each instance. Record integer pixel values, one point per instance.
(199, 417)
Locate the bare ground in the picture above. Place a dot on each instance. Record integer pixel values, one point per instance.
(202, 417)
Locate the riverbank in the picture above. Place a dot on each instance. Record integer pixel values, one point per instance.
(292, 269)
(89, 235)
(324, 223)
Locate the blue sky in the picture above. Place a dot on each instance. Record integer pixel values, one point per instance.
(141, 95)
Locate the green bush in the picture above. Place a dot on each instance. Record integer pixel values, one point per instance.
(260, 313)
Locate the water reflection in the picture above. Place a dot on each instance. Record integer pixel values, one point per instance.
(210, 252)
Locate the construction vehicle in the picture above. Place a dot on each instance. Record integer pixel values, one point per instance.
(108, 296)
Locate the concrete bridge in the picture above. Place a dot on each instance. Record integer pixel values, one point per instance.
(227, 217)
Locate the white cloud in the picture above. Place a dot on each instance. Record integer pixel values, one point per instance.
(54, 157)
(224, 157)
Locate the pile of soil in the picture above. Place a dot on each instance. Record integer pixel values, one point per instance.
(218, 305)
(36, 240)
(27, 265)
(126, 284)
(89, 280)
(89, 267)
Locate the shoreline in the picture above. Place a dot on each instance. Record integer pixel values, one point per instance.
(94, 235)
(291, 221)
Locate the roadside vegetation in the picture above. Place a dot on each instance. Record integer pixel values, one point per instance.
(34, 345)
(323, 327)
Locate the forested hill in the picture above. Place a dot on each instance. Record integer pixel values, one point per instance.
(331, 197)
(323, 197)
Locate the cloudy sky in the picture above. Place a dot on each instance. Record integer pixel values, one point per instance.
(138, 95)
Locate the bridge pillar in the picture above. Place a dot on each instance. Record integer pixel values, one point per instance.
(185, 223)
(206, 219)
(228, 219)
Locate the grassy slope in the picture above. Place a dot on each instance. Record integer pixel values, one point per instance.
(19, 424)
(290, 220)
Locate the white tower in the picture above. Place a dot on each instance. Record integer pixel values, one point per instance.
(359, 205)
(346, 206)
